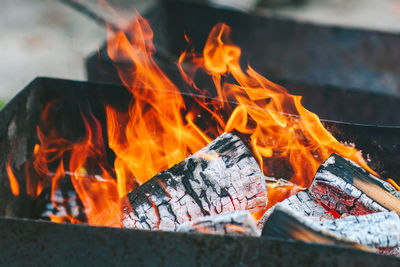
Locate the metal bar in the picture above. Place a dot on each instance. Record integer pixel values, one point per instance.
(33, 243)
(86, 10)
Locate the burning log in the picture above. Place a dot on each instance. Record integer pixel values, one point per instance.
(301, 203)
(287, 223)
(221, 177)
(232, 223)
(379, 230)
(345, 187)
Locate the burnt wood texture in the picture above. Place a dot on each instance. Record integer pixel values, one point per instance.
(378, 230)
(239, 222)
(345, 187)
(301, 203)
(287, 223)
(221, 177)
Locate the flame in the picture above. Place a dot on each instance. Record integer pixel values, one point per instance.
(393, 183)
(278, 125)
(156, 136)
(14, 185)
(160, 129)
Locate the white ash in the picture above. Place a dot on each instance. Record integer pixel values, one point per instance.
(312, 224)
(380, 230)
(221, 177)
(301, 203)
(329, 161)
(276, 183)
(231, 223)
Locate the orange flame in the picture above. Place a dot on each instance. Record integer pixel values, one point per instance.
(13, 180)
(393, 183)
(160, 130)
(278, 125)
(156, 136)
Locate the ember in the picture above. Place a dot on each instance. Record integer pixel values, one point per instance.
(203, 167)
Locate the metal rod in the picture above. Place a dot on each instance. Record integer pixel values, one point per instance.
(87, 11)
(84, 9)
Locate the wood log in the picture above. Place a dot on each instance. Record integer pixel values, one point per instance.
(221, 177)
(301, 203)
(345, 187)
(287, 223)
(378, 230)
(239, 222)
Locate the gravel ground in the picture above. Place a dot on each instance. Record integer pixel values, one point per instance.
(46, 38)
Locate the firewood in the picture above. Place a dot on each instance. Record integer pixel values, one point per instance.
(378, 230)
(287, 223)
(301, 203)
(345, 187)
(238, 222)
(221, 177)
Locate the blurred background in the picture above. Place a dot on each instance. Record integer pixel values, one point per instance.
(48, 38)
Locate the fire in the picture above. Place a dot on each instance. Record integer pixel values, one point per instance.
(13, 180)
(155, 135)
(160, 130)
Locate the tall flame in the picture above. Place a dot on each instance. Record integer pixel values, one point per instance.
(156, 136)
(160, 130)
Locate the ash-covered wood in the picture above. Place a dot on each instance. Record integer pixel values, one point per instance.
(345, 187)
(301, 203)
(221, 177)
(378, 230)
(238, 222)
(287, 223)
(283, 185)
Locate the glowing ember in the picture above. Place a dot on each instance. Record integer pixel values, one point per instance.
(160, 130)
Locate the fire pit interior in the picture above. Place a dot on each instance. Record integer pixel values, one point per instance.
(75, 98)
(221, 167)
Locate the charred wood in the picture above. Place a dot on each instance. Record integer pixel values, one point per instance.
(283, 184)
(221, 177)
(232, 223)
(289, 224)
(345, 187)
(303, 204)
(378, 230)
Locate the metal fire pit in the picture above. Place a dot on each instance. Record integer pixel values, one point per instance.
(34, 242)
(332, 67)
